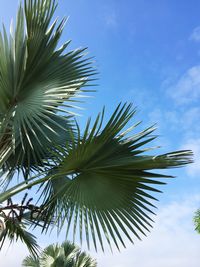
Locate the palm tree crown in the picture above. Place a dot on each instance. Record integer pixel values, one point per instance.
(197, 221)
(65, 255)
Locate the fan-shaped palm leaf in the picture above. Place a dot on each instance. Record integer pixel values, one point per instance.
(103, 184)
(36, 80)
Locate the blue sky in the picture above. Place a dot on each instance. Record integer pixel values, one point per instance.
(148, 53)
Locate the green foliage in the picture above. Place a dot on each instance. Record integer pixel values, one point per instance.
(99, 183)
(14, 231)
(104, 181)
(65, 255)
(36, 80)
(197, 221)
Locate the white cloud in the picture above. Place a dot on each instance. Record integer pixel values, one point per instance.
(172, 243)
(194, 145)
(187, 89)
(195, 36)
(184, 121)
(142, 98)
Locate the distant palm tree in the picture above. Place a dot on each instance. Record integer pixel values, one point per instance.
(197, 221)
(98, 182)
(65, 255)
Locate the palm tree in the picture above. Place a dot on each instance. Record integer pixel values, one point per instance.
(99, 180)
(65, 255)
(197, 221)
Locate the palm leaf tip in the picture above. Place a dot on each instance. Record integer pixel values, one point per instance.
(108, 182)
(174, 159)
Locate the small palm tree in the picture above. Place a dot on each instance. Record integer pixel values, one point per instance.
(65, 255)
(197, 221)
(98, 182)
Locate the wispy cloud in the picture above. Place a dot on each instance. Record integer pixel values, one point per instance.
(110, 19)
(184, 121)
(187, 89)
(195, 36)
(172, 243)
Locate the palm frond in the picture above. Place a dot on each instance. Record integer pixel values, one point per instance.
(84, 260)
(31, 261)
(65, 255)
(14, 231)
(104, 184)
(36, 80)
(15, 218)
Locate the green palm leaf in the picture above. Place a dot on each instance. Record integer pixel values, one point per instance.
(84, 260)
(65, 255)
(103, 184)
(31, 261)
(14, 231)
(36, 80)
(197, 221)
